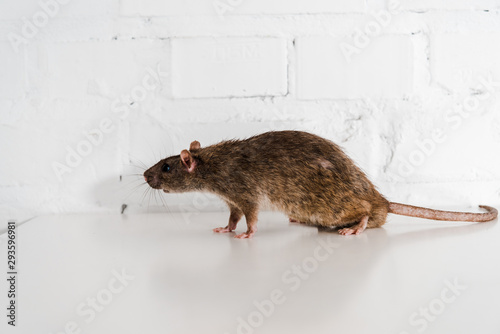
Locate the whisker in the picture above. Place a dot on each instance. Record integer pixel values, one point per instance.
(132, 191)
(133, 157)
(149, 198)
(136, 163)
(144, 195)
(164, 201)
(150, 148)
(128, 182)
(136, 166)
(155, 192)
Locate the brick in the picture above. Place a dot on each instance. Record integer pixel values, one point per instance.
(461, 62)
(228, 7)
(12, 72)
(382, 69)
(108, 69)
(15, 10)
(228, 67)
(423, 5)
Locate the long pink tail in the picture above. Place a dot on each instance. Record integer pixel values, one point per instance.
(416, 211)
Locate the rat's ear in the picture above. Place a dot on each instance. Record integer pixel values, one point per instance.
(188, 161)
(195, 145)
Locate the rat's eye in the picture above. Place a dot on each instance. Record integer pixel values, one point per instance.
(165, 168)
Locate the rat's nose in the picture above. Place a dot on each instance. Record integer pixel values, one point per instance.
(147, 176)
(151, 180)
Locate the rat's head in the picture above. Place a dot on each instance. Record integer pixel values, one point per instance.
(176, 173)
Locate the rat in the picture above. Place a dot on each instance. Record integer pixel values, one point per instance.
(307, 177)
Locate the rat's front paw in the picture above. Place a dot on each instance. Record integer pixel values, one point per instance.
(245, 235)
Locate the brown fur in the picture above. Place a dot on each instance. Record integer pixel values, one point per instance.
(309, 178)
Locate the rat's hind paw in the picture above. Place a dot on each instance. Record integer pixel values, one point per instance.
(349, 231)
(356, 229)
(222, 229)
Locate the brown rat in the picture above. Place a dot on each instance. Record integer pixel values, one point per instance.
(309, 178)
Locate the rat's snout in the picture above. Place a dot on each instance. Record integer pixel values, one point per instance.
(152, 179)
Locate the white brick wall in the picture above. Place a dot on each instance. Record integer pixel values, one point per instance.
(228, 67)
(15, 10)
(460, 62)
(327, 71)
(238, 7)
(14, 69)
(408, 88)
(81, 70)
(424, 5)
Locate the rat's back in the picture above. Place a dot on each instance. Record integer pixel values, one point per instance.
(292, 153)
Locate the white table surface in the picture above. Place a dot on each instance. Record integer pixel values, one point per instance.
(188, 279)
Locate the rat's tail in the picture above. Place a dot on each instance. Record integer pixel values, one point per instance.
(415, 211)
